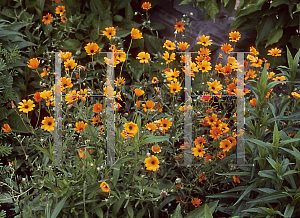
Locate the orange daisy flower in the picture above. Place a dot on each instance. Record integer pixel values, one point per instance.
(109, 32)
(47, 19)
(179, 26)
(165, 123)
(198, 151)
(196, 202)
(202, 177)
(216, 133)
(152, 163)
(151, 127)
(131, 128)
(63, 19)
(234, 36)
(221, 155)
(253, 101)
(227, 48)
(104, 187)
(156, 149)
(26, 106)
(200, 141)
(65, 55)
(70, 64)
(169, 45)
(33, 63)
(226, 145)
(92, 48)
(183, 46)
(6, 128)
(60, 10)
(48, 124)
(215, 86)
(236, 179)
(136, 34)
(174, 87)
(37, 97)
(97, 108)
(169, 58)
(146, 5)
(204, 66)
(80, 127)
(154, 80)
(149, 106)
(274, 52)
(45, 72)
(204, 40)
(144, 57)
(139, 92)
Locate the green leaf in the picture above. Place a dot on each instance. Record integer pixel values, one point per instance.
(295, 152)
(212, 8)
(130, 210)
(94, 35)
(123, 33)
(289, 210)
(273, 164)
(153, 139)
(41, 4)
(230, 6)
(268, 174)
(207, 212)
(274, 36)
(264, 28)
(118, 18)
(142, 212)
(116, 173)
(247, 191)
(249, 8)
(167, 200)
(177, 212)
(153, 44)
(121, 4)
(279, 2)
(290, 58)
(71, 45)
(185, 2)
(200, 210)
(45, 152)
(269, 197)
(128, 12)
(226, 2)
(276, 135)
(5, 198)
(58, 207)
(117, 205)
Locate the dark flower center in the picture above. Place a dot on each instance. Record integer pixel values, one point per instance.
(49, 123)
(92, 51)
(153, 162)
(26, 106)
(174, 89)
(165, 125)
(130, 127)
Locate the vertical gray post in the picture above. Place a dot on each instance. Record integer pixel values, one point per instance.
(188, 113)
(57, 152)
(110, 100)
(240, 147)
